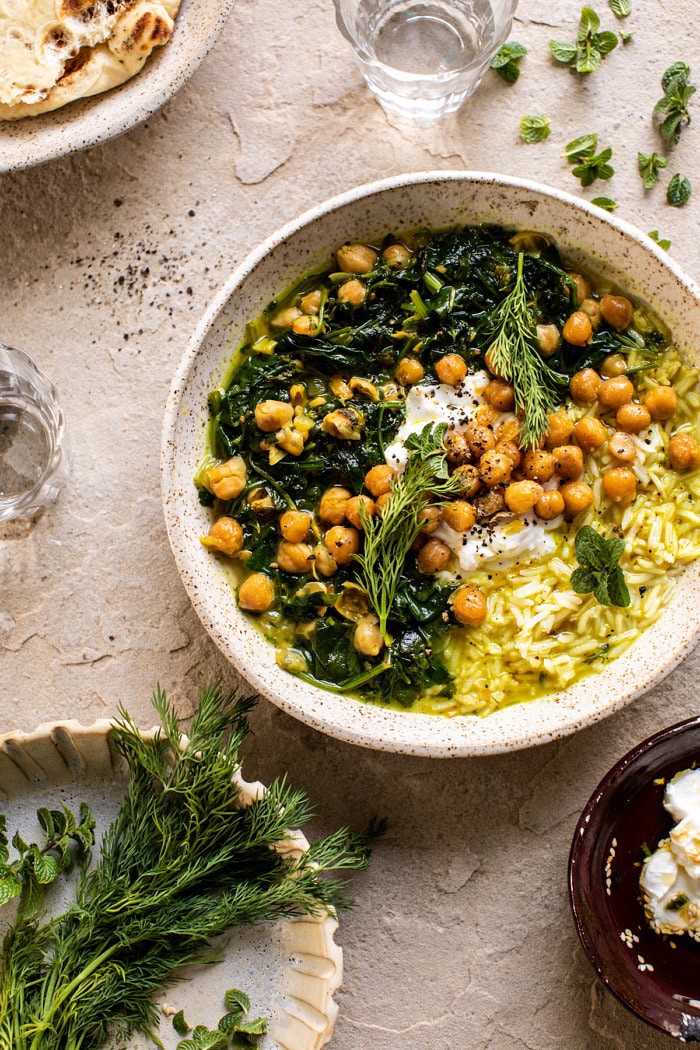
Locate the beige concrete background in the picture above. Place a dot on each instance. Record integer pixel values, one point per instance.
(462, 936)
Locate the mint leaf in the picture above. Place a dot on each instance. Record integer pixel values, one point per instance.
(671, 111)
(180, 1024)
(589, 24)
(591, 165)
(650, 164)
(237, 1000)
(505, 61)
(585, 146)
(607, 203)
(662, 243)
(534, 129)
(565, 53)
(599, 571)
(600, 591)
(591, 548)
(617, 588)
(678, 192)
(620, 8)
(583, 580)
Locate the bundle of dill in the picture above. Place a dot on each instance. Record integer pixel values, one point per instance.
(181, 864)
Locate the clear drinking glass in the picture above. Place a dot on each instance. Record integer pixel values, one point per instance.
(33, 463)
(423, 58)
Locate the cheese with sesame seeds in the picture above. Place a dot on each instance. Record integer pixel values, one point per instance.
(670, 879)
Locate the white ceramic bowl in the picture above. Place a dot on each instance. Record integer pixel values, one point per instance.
(89, 121)
(435, 199)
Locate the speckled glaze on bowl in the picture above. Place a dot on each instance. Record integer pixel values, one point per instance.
(657, 978)
(90, 121)
(435, 199)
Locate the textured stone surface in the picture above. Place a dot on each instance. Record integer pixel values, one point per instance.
(462, 935)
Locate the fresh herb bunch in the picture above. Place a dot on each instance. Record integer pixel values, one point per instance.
(589, 165)
(180, 865)
(534, 128)
(506, 61)
(678, 191)
(515, 355)
(389, 538)
(671, 112)
(650, 164)
(591, 47)
(599, 570)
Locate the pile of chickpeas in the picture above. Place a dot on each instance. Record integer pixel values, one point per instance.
(493, 473)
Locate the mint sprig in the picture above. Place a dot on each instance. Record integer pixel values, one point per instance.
(599, 571)
(671, 112)
(506, 61)
(589, 165)
(591, 47)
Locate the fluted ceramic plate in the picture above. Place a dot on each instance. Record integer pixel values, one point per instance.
(290, 969)
(588, 236)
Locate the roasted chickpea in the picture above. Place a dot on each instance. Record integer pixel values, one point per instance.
(560, 429)
(228, 480)
(311, 302)
(367, 637)
(617, 310)
(333, 504)
(622, 447)
(521, 496)
(285, 318)
(294, 557)
(480, 438)
(489, 503)
(577, 496)
(583, 288)
(457, 448)
(343, 543)
(434, 556)
(495, 468)
(256, 593)
(379, 479)
(397, 256)
(431, 518)
(633, 418)
(511, 450)
(684, 452)
(324, 563)
(468, 605)
(538, 465)
(295, 525)
(578, 328)
(459, 515)
(352, 292)
(487, 416)
(344, 424)
(592, 308)
(584, 386)
(548, 338)
(509, 430)
(381, 502)
(273, 415)
(307, 324)
(468, 478)
(500, 395)
(612, 366)
(355, 258)
(451, 369)
(225, 535)
(568, 461)
(620, 484)
(661, 402)
(590, 433)
(616, 392)
(353, 510)
(550, 505)
(409, 371)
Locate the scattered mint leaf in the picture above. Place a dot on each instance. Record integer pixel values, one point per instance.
(599, 570)
(607, 203)
(649, 166)
(534, 129)
(203, 1038)
(679, 191)
(671, 112)
(662, 243)
(595, 167)
(257, 1027)
(620, 8)
(237, 1000)
(180, 1024)
(625, 37)
(591, 47)
(229, 1022)
(585, 146)
(506, 61)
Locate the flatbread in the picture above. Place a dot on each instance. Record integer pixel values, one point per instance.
(53, 52)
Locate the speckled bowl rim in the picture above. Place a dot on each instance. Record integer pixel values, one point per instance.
(89, 122)
(368, 725)
(597, 799)
(55, 751)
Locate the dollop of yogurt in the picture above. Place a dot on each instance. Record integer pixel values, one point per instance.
(498, 544)
(670, 879)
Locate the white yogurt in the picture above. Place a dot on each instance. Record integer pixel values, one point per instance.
(670, 879)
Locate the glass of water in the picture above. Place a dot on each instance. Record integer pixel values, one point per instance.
(33, 463)
(423, 58)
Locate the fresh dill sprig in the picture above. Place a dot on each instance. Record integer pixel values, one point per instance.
(180, 865)
(514, 354)
(389, 538)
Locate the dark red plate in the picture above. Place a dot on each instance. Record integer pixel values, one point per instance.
(656, 977)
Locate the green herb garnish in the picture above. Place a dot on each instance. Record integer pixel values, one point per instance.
(620, 8)
(678, 191)
(606, 203)
(650, 164)
(599, 570)
(671, 111)
(678, 902)
(506, 61)
(661, 241)
(534, 129)
(591, 47)
(589, 165)
(389, 538)
(515, 355)
(180, 1024)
